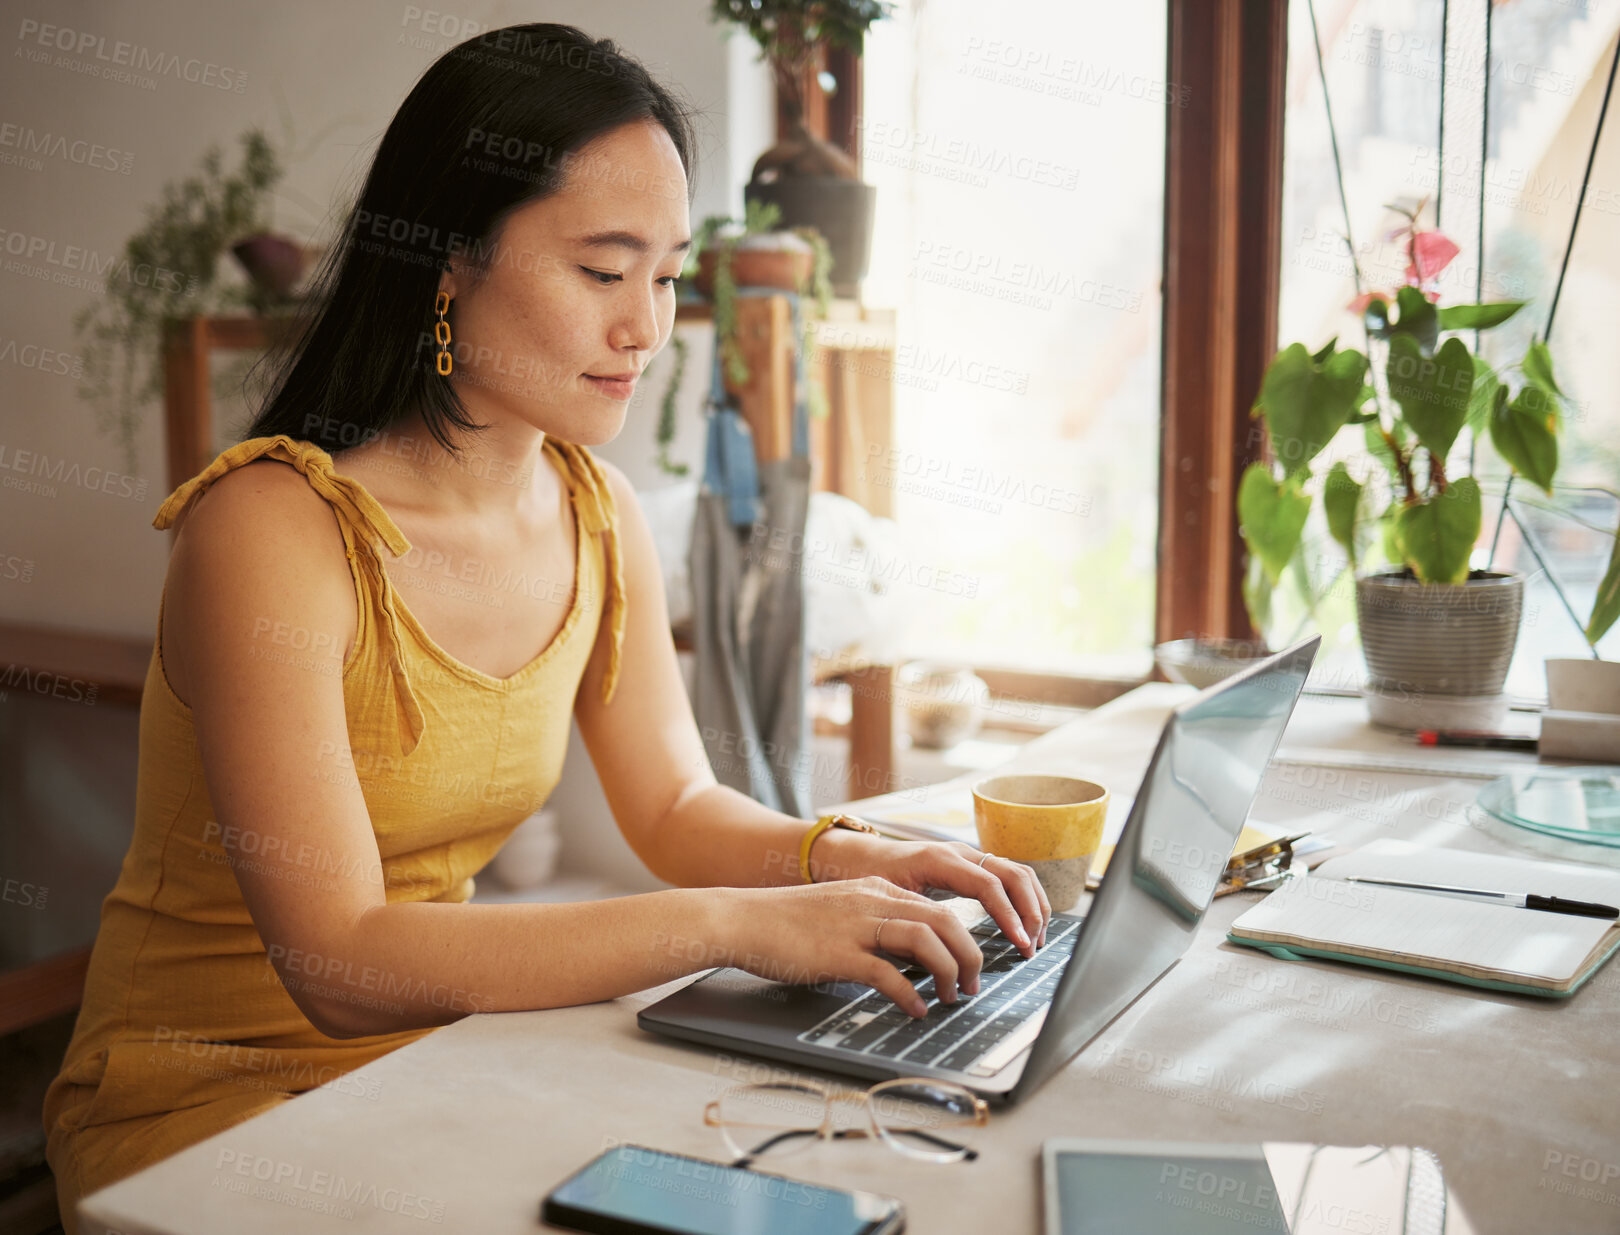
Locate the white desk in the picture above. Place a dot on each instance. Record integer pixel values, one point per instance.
(466, 1129)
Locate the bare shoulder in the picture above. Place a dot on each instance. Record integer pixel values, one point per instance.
(258, 556)
(264, 514)
(257, 487)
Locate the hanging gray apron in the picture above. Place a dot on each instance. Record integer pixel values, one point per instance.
(746, 563)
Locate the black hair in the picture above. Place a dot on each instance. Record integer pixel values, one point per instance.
(489, 127)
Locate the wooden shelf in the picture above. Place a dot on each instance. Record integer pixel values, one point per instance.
(115, 664)
(188, 402)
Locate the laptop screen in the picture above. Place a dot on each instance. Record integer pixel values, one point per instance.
(1162, 877)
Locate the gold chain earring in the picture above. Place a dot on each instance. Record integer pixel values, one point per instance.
(441, 332)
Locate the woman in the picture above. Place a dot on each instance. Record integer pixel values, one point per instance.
(382, 609)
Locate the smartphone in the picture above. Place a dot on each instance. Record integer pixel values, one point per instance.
(632, 1189)
(1108, 1187)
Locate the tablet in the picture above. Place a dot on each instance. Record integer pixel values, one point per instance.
(1120, 1187)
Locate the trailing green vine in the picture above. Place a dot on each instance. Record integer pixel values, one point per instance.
(666, 411)
(173, 273)
(724, 235)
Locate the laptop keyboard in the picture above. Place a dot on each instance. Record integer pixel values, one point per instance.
(1013, 992)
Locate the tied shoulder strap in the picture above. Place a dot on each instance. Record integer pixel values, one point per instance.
(594, 507)
(356, 509)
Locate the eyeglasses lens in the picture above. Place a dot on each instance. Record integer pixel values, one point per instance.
(771, 1119)
(932, 1121)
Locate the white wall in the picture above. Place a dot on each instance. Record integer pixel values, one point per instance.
(89, 559)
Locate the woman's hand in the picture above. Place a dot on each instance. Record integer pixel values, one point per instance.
(1008, 890)
(828, 932)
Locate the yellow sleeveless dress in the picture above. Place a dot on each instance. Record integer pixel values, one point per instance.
(185, 1028)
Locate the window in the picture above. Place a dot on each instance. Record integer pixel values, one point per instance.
(1019, 171)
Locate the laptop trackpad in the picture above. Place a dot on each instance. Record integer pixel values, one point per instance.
(728, 998)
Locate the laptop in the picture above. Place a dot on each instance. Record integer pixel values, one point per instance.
(1032, 1016)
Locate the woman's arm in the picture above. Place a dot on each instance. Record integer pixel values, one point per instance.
(693, 832)
(260, 552)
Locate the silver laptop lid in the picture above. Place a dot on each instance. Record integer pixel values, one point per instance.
(1195, 796)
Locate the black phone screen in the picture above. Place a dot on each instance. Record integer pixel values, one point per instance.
(633, 1188)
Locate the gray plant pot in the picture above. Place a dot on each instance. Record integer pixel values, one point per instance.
(1445, 639)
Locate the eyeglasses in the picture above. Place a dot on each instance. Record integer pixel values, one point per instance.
(924, 1119)
(1264, 866)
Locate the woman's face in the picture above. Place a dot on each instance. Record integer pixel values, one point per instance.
(578, 290)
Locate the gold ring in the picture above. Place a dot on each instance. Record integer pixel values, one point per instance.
(877, 941)
(987, 854)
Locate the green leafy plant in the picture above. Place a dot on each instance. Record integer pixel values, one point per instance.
(1606, 608)
(1413, 394)
(758, 220)
(723, 235)
(666, 409)
(173, 273)
(820, 268)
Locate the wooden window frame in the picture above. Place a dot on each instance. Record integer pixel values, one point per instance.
(1222, 261)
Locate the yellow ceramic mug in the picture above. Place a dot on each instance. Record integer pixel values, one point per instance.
(1050, 823)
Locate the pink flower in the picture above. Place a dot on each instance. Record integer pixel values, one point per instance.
(1430, 253)
(1427, 252)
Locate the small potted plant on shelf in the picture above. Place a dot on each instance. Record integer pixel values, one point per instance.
(812, 181)
(727, 254)
(173, 260)
(1437, 635)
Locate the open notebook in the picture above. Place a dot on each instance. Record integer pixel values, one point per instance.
(1477, 942)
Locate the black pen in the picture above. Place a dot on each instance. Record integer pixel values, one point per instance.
(1483, 741)
(1518, 900)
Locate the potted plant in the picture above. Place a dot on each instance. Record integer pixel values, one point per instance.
(814, 183)
(727, 254)
(177, 251)
(1437, 636)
